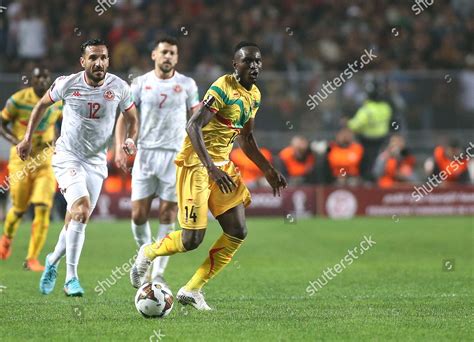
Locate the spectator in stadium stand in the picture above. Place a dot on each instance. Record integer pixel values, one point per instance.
(343, 159)
(251, 174)
(395, 165)
(297, 161)
(371, 123)
(3, 188)
(448, 158)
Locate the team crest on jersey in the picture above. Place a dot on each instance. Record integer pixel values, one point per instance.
(236, 94)
(177, 88)
(109, 95)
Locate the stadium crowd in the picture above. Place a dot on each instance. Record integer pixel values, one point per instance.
(294, 35)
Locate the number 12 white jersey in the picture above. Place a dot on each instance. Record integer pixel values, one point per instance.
(89, 114)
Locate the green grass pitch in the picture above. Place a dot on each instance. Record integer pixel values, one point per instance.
(415, 284)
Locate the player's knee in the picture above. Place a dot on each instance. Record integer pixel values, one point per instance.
(18, 213)
(80, 215)
(139, 216)
(81, 212)
(193, 239)
(168, 216)
(168, 212)
(239, 232)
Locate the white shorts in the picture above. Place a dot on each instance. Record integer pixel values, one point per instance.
(77, 179)
(154, 174)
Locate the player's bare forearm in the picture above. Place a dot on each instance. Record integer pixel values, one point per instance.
(194, 129)
(36, 115)
(131, 116)
(249, 146)
(7, 133)
(251, 150)
(120, 132)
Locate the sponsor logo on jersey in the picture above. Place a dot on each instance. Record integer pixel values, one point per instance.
(147, 87)
(177, 88)
(76, 93)
(236, 94)
(109, 95)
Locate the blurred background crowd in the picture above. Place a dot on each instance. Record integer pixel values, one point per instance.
(312, 35)
(421, 83)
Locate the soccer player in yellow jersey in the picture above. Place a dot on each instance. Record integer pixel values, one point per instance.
(207, 179)
(31, 181)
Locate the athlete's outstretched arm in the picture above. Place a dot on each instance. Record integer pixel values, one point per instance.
(249, 146)
(24, 147)
(7, 133)
(194, 129)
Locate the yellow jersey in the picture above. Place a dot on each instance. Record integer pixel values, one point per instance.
(233, 106)
(17, 111)
(372, 120)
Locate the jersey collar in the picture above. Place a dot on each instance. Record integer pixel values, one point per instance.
(92, 87)
(240, 86)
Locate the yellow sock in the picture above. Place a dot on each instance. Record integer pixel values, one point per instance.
(169, 245)
(39, 231)
(12, 222)
(220, 255)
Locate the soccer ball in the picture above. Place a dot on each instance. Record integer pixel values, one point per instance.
(154, 300)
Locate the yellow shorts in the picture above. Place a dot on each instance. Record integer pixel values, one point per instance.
(197, 193)
(37, 187)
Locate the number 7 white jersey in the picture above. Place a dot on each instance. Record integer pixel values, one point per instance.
(163, 106)
(89, 114)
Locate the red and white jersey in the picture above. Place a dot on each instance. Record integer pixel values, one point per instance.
(163, 105)
(89, 114)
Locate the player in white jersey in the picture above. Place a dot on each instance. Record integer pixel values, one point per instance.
(165, 99)
(91, 98)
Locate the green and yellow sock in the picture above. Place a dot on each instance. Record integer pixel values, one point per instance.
(39, 231)
(12, 222)
(220, 255)
(169, 245)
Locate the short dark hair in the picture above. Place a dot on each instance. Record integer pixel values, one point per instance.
(166, 39)
(91, 42)
(245, 44)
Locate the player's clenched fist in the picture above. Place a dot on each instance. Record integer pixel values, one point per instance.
(129, 147)
(23, 149)
(121, 155)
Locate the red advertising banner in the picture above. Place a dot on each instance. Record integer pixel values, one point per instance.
(333, 202)
(348, 202)
(299, 202)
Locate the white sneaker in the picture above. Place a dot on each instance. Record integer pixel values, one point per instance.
(194, 298)
(140, 268)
